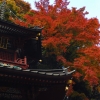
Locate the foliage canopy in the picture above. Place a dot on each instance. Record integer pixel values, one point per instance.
(68, 36)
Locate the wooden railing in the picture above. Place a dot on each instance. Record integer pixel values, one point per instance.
(6, 56)
(11, 58)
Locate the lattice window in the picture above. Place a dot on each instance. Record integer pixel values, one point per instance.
(3, 42)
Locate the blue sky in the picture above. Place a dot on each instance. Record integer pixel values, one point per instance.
(92, 6)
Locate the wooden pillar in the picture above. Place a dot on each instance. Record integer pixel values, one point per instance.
(25, 60)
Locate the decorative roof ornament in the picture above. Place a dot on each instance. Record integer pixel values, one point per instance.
(65, 70)
(3, 8)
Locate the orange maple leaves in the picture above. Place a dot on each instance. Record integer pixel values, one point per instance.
(63, 27)
(89, 62)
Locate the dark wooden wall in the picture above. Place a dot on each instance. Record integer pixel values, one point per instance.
(56, 92)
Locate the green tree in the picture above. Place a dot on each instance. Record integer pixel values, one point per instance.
(15, 8)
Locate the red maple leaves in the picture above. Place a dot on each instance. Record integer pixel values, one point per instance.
(65, 28)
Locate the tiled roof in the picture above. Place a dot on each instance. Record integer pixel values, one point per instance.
(48, 72)
(13, 29)
(38, 76)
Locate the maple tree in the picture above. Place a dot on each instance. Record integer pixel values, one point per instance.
(69, 38)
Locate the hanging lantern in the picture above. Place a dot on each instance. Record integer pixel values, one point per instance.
(66, 88)
(40, 60)
(36, 38)
(39, 34)
(70, 81)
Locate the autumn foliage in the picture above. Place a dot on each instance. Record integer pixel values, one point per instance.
(68, 35)
(15, 9)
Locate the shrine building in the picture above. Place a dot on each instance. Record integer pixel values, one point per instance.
(20, 51)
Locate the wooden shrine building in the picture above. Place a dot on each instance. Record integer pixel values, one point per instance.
(20, 50)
